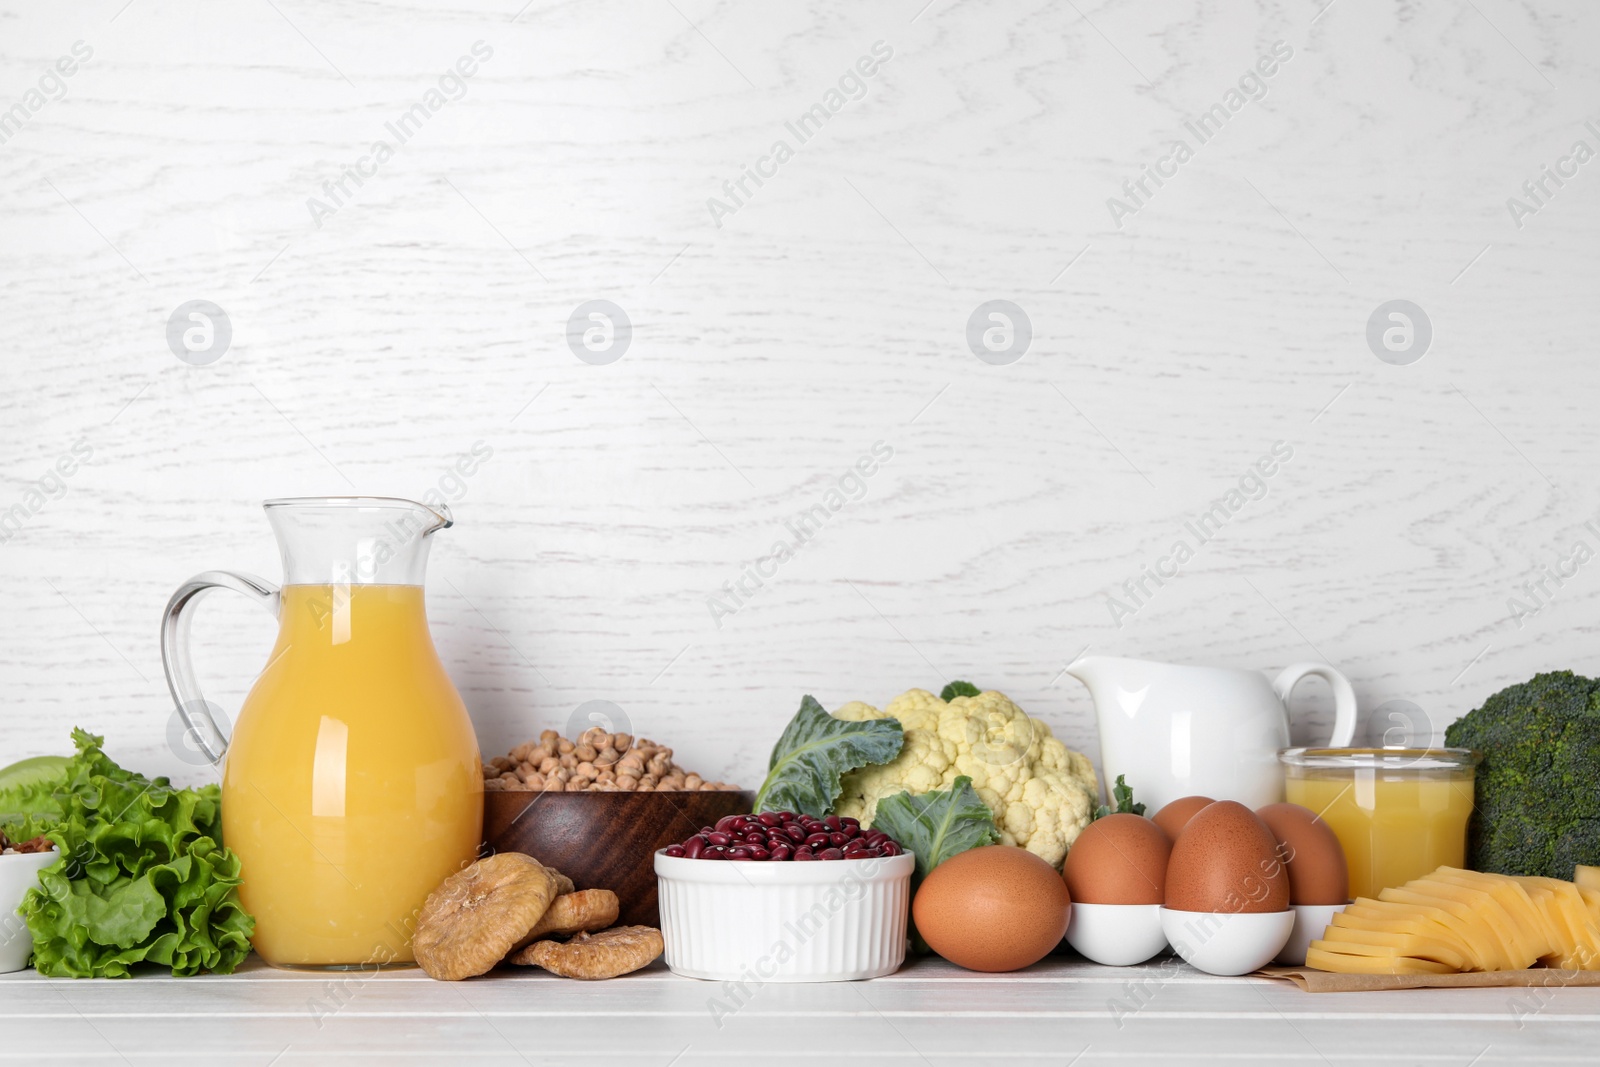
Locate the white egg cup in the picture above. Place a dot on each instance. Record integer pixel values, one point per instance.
(1117, 935)
(1310, 921)
(18, 874)
(1227, 943)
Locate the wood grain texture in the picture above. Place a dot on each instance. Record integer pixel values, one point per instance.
(829, 312)
(927, 1013)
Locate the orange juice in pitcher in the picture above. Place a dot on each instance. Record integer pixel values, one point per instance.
(352, 784)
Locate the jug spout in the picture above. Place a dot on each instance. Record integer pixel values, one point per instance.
(360, 540)
(1100, 674)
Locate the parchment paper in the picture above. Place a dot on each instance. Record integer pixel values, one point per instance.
(1315, 981)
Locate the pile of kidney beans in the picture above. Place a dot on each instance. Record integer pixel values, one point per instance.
(783, 835)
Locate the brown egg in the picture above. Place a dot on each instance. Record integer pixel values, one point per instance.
(994, 908)
(1310, 850)
(1176, 815)
(1118, 859)
(1226, 861)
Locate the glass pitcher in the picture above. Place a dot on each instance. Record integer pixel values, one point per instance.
(352, 784)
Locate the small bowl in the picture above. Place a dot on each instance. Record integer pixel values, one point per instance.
(1227, 943)
(1117, 935)
(824, 921)
(605, 840)
(18, 874)
(1310, 920)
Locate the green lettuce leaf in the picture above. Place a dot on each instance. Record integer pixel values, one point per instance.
(142, 878)
(936, 826)
(815, 750)
(29, 787)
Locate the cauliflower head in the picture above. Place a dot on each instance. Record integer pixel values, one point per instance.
(1041, 792)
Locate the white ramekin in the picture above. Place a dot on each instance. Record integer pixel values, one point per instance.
(18, 874)
(825, 921)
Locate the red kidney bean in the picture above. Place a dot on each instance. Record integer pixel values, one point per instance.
(776, 836)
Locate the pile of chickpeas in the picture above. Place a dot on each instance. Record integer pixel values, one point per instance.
(597, 762)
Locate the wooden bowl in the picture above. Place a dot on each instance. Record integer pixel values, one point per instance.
(605, 840)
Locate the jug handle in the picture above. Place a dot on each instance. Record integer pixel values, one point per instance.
(1344, 697)
(192, 707)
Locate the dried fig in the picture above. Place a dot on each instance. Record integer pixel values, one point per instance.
(473, 919)
(571, 913)
(604, 955)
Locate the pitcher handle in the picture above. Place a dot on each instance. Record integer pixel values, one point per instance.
(192, 707)
(1344, 697)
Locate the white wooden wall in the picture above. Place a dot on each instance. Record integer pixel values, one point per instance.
(428, 313)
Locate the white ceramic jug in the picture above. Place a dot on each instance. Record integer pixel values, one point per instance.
(1177, 731)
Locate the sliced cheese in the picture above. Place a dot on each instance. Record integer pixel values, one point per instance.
(1349, 939)
(1320, 957)
(1527, 930)
(1456, 920)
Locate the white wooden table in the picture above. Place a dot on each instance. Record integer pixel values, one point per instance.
(1060, 1012)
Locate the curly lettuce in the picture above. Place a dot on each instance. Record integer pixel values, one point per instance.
(143, 876)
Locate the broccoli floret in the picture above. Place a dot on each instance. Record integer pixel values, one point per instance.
(1538, 787)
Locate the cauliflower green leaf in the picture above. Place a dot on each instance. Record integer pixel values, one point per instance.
(815, 751)
(936, 826)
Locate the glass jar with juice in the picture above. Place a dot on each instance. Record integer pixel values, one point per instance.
(1400, 813)
(352, 784)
